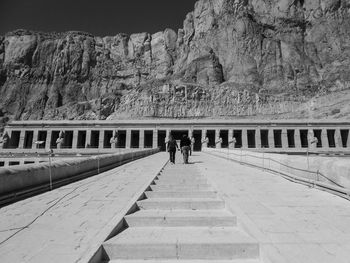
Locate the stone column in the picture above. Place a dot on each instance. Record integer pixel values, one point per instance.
(48, 139)
(35, 138)
(217, 137)
(88, 139)
(348, 140)
(257, 138)
(338, 140)
(230, 138)
(324, 139)
(21, 139)
(142, 139)
(297, 140)
(101, 139)
(190, 133)
(128, 139)
(284, 139)
(310, 137)
(204, 137)
(244, 138)
(113, 145)
(271, 138)
(75, 139)
(155, 138)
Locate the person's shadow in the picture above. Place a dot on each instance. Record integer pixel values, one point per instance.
(195, 162)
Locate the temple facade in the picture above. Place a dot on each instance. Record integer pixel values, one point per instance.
(107, 136)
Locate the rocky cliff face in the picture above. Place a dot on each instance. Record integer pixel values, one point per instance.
(237, 58)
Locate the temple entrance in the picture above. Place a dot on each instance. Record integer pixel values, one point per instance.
(177, 135)
(161, 140)
(197, 135)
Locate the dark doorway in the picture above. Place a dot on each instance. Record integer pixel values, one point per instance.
(264, 136)
(68, 139)
(42, 136)
(317, 134)
(107, 138)
(54, 137)
(331, 140)
(291, 138)
(211, 138)
(135, 139)
(224, 137)
(304, 139)
(161, 140)
(277, 137)
(121, 139)
(81, 139)
(238, 135)
(95, 138)
(14, 140)
(197, 135)
(28, 140)
(148, 141)
(13, 163)
(251, 138)
(344, 137)
(177, 134)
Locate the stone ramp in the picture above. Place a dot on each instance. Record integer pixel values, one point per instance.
(183, 220)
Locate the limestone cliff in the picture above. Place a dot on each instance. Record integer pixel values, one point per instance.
(232, 58)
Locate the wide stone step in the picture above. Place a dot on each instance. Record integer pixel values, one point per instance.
(181, 203)
(181, 194)
(179, 218)
(184, 261)
(190, 188)
(181, 181)
(181, 243)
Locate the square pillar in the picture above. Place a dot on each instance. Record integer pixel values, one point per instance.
(113, 145)
(271, 138)
(244, 138)
(142, 139)
(75, 139)
(230, 137)
(297, 139)
(21, 139)
(204, 137)
(155, 138)
(217, 137)
(284, 139)
(35, 138)
(101, 139)
(324, 139)
(48, 139)
(337, 138)
(258, 138)
(88, 139)
(128, 139)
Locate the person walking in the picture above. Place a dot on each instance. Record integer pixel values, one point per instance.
(171, 147)
(185, 146)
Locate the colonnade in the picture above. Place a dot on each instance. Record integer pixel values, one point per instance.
(272, 137)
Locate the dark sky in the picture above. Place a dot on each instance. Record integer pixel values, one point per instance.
(99, 17)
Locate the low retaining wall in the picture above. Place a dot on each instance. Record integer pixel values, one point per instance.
(318, 168)
(17, 178)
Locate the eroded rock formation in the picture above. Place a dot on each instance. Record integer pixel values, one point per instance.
(231, 58)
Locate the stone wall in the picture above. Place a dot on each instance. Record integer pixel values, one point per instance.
(17, 178)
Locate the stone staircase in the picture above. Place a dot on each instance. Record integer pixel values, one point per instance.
(182, 220)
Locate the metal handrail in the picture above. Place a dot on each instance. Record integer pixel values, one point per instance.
(318, 173)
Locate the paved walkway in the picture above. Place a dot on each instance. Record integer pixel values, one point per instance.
(70, 222)
(292, 222)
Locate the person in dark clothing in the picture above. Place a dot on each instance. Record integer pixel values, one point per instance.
(185, 146)
(171, 147)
